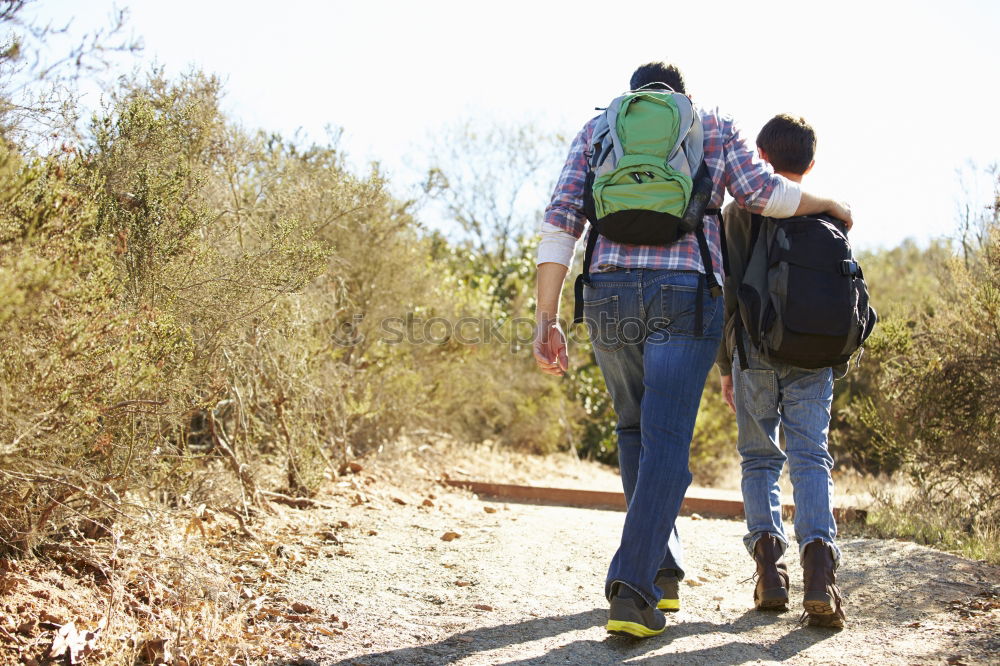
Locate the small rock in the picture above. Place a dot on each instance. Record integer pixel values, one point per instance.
(696, 516)
(372, 533)
(489, 509)
(45, 616)
(450, 536)
(427, 502)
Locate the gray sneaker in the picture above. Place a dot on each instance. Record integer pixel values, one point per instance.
(669, 581)
(631, 616)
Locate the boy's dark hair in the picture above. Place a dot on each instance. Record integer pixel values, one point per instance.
(790, 143)
(657, 72)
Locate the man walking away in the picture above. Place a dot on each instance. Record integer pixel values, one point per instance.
(655, 371)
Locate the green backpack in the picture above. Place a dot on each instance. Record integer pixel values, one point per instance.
(647, 183)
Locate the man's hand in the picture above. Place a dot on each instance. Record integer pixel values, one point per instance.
(810, 204)
(551, 353)
(727, 392)
(842, 212)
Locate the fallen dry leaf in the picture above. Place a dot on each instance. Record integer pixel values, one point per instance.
(349, 468)
(489, 509)
(344, 524)
(482, 607)
(450, 536)
(329, 632)
(154, 651)
(71, 645)
(300, 607)
(399, 500)
(372, 533)
(462, 583)
(427, 502)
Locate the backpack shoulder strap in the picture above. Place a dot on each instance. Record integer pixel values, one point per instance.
(756, 224)
(612, 120)
(584, 277)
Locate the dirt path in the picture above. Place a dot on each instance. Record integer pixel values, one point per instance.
(523, 585)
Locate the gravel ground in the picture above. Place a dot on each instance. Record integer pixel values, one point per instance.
(523, 584)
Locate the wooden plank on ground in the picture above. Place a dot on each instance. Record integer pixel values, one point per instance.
(600, 499)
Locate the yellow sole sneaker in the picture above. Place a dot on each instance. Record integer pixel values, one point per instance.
(671, 605)
(633, 629)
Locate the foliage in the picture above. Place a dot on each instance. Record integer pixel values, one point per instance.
(905, 284)
(940, 407)
(179, 297)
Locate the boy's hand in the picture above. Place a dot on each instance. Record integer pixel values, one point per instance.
(550, 349)
(727, 392)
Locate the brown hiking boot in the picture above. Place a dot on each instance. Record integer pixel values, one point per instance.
(821, 598)
(771, 592)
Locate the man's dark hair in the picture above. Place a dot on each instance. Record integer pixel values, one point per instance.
(790, 143)
(657, 72)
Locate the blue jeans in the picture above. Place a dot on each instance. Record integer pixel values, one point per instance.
(644, 328)
(769, 394)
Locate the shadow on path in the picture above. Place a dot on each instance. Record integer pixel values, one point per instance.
(614, 650)
(482, 639)
(610, 650)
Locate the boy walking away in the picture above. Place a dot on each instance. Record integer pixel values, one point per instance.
(789, 297)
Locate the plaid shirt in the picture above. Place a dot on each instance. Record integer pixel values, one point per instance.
(733, 166)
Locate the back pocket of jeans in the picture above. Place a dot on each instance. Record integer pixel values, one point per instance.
(760, 391)
(602, 319)
(679, 305)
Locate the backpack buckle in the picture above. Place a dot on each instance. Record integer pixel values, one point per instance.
(849, 267)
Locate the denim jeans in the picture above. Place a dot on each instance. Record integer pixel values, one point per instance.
(644, 328)
(769, 394)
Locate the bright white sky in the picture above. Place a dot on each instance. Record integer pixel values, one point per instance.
(902, 94)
